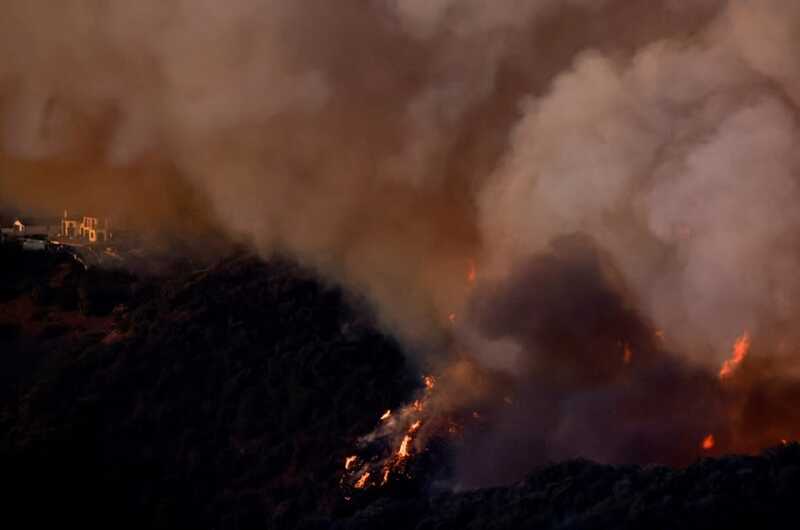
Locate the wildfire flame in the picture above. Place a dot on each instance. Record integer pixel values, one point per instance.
(740, 350)
(403, 451)
(708, 442)
(362, 482)
(400, 433)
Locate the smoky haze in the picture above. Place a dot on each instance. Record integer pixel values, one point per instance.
(392, 143)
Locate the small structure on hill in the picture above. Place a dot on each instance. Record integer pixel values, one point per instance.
(89, 228)
(29, 227)
(80, 230)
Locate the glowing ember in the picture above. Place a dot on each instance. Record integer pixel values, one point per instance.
(473, 273)
(417, 405)
(386, 415)
(627, 354)
(403, 451)
(362, 482)
(349, 461)
(430, 382)
(740, 349)
(708, 442)
(385, 476)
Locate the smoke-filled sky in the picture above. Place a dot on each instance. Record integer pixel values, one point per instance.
(393, 143)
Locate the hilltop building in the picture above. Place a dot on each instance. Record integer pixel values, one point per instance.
(88, 228)
(32, 227)
(82, 229)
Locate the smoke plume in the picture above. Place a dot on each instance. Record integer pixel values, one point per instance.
(619, 174)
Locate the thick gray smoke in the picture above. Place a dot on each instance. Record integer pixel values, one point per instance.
(391, 143)
(681, 162)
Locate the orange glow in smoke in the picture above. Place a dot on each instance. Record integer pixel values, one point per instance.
(740, 349)
(430, 382)
(473, 272)
(627, 354)
(708, 442)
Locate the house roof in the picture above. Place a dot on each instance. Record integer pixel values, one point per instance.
(38, 221)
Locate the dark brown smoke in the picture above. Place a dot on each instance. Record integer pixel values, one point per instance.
(594, 379)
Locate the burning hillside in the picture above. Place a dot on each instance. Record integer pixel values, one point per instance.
(267, 399)
(576, 219)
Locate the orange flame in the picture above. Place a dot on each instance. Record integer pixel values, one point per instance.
(403, 451)
(740, 350)
(362, 481)
(403, 432)
(708, 442)
(348, 462)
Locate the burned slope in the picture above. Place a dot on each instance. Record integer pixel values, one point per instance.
(219, 399)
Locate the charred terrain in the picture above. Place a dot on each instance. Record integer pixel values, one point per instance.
(228, 393)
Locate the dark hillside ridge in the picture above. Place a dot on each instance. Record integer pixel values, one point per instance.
(224, 398)
(732, 492)
(226, 395)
